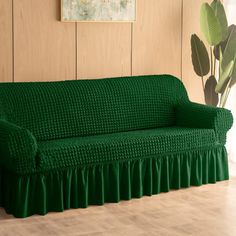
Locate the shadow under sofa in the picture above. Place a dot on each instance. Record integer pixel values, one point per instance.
(72, 144)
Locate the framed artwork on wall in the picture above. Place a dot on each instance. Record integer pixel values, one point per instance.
(98, 10)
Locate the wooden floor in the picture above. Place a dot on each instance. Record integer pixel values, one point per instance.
(201, 211)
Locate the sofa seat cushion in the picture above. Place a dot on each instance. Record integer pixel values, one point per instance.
(100, 149)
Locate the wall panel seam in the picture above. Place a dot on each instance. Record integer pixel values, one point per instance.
(13, 44)
(76, 52)
(182, 29)
(131, 49)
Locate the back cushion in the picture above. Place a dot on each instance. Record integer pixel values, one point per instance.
(52, 110)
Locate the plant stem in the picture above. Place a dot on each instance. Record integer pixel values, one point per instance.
(203, 87)
(226, 98)
(225, 95)
(211, 60)
(214, 71)
(220, 98)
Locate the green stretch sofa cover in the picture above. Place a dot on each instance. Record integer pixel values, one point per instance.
(72, 144)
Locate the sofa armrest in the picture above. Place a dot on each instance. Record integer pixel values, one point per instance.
(18, 148)
(196, 115)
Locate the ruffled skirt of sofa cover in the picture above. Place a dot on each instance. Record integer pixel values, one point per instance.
(79, 187)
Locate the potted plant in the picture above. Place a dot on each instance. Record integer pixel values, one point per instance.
(220, 61)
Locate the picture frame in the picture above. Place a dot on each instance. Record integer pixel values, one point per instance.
(98, 11)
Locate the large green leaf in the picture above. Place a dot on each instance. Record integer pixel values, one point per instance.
(216, 51)
(224, 76)
(233, 76)
(230, 47)
(221, 45)
(228, 62)
(211, 97)
(200, 58)
(219, 11)
(210, 25)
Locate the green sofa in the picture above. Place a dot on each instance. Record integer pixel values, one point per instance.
(72, 144)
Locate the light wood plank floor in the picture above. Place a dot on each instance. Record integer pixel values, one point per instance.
(201, 211)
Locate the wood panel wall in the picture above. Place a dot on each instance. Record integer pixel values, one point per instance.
(157, 37)
(44, 47)
(104, 50)
(191, 25)
(36, 46)
(6, 48)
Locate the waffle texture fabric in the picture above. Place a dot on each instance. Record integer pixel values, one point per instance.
(92, 141)
(58, 124)
(122, 146)
(56, 110)
(201, 116)
(18, 147)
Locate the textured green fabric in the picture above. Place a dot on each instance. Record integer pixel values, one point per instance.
(52, 110)
(18, 148)
(70, 144)
(96, 184)
(201, 116)
(121, 146)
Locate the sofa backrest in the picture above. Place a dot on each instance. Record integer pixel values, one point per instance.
(53, 110)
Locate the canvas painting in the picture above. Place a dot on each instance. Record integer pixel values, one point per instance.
(98, 10)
